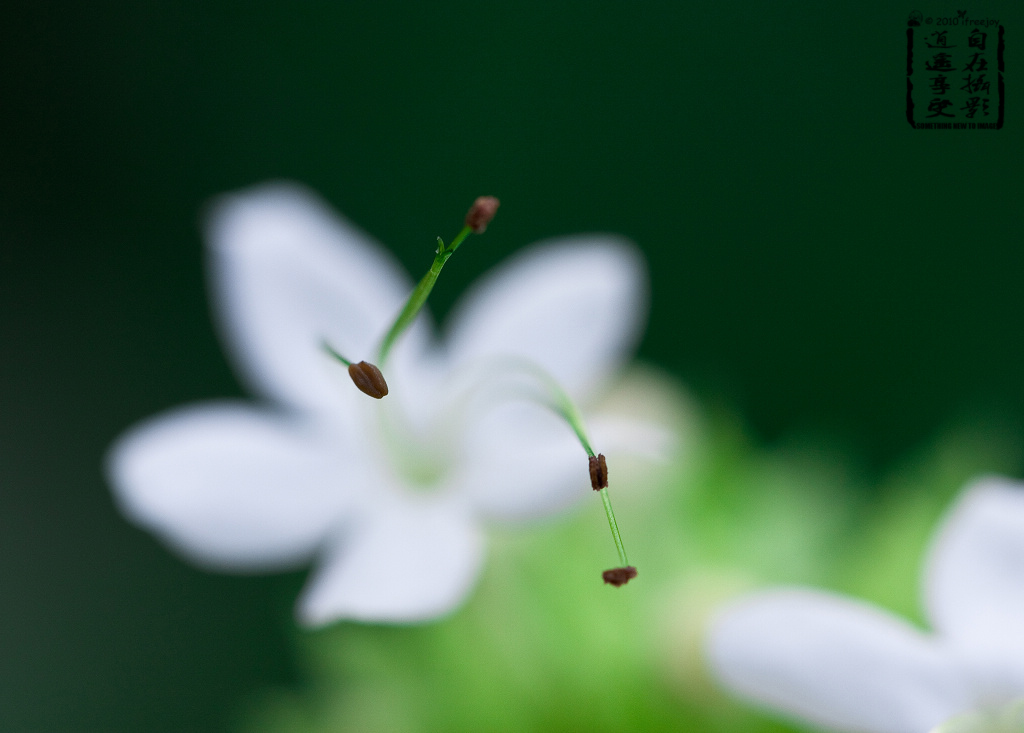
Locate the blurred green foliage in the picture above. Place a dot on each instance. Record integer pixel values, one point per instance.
(544, 646)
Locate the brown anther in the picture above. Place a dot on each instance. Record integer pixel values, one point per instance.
(369, 379)
(598, 472)
(481, 213)
(619, 576)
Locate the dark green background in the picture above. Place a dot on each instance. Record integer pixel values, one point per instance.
(815, 262)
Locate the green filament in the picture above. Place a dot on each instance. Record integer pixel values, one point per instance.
(563, 405)
(614, 527)
(419, 295)
(330, 350)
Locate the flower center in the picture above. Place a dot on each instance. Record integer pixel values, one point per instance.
(420, 459)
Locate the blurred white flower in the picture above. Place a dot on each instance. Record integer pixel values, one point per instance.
(849, 666)
(386, 495)
(1006, 719)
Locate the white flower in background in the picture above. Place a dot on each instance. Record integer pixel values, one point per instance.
(849, 666)
(387, 496)
(1007, 719)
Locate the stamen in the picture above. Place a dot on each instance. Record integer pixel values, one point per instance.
(368, 379)
(598, 472)
(366, 376)
(480, 214)
(619, 576)
(560, 402)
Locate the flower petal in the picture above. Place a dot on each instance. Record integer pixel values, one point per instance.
(1002, 719)
(974, 588)
(410, 561)
(574, 306)
(230, 487)
(522, 461)
(289, 273)
(835, 662)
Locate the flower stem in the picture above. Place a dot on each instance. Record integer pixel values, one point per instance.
(419, 294)
(562, 404)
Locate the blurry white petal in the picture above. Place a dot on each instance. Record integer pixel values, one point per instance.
(287, 273)
(521, 461)
(975, 577)
(230, 486)
(615, 434)
(574, 307)
(408, 562)
(645, 415)
(838, 663)
(1004, 719)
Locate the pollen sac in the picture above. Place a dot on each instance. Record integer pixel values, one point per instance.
(481, 213)
(369, 379)
(598, 472)
(619, 576)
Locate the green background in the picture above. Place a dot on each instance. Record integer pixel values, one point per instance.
(815, 263)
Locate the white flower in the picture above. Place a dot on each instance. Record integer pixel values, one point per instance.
(386, 495)
(850, 666)
(1005, 719)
